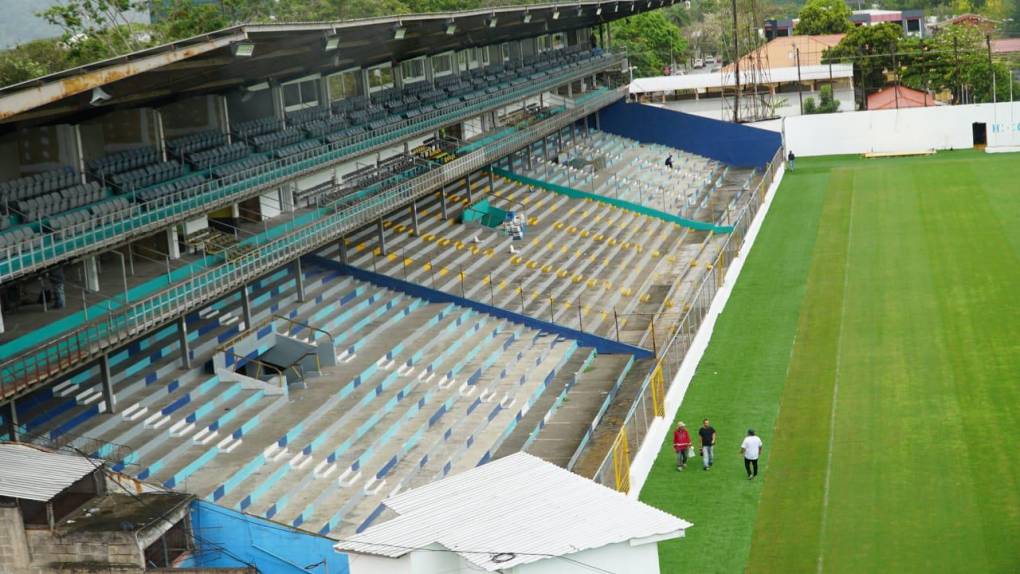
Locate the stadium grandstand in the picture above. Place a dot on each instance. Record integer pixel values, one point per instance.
(293, 269)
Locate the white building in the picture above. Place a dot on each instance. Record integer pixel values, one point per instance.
(516, 515)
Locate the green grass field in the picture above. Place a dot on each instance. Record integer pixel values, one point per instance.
(873, 341)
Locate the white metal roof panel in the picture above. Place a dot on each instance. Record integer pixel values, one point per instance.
(520, 506)
(718, 80)
(35, 474)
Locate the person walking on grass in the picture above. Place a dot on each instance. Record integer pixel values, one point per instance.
(707, 434)
(681, 442)
(789, 159)
(751, 449)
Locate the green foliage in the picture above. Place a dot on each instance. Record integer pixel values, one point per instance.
(649, 39)
(824, 17)
(955, 61)
(827, 104)
(870, 49)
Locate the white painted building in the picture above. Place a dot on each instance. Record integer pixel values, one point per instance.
(516, 515)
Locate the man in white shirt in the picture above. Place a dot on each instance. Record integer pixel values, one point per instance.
(751, 449)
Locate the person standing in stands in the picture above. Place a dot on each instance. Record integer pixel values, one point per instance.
(56, 279)
(681, 442)
(707, 434)
(751, 449)
(669, 161)
(789, 159)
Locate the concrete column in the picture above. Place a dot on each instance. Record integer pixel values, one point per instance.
(287, 198)
(559, 142)
(467, 186)
(182, 342)
(245, 305)
(299, 280)
(597, 121)
(382, 237)
(173, 247)
(492, 182)
(414, 217)
(343, 250)
(1, 320)
(12, 421)
(107, 382)
(91, 274)
(442, 202)
(527, 157)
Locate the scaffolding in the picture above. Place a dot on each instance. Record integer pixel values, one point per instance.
(751, 98)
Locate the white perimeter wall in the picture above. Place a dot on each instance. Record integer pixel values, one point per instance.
(911, 129)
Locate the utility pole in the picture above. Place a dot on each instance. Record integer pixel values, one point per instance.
(956, 52)
(800, 85)
(736, 66)
(991, 68)
(896, 88)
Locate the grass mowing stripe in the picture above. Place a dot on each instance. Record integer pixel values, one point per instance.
(795, 482)
(835, 384)
(740, 393)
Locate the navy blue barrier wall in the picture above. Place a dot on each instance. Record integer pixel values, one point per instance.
(227, 538)
(600, 344)
(732, 144)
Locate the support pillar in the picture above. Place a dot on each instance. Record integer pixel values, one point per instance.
(442, 202)
(245, 306)
(91, 274)
(382, 237)
(1, 320)
(343, 250)
(12, 422)
(467, 186)
(299, 280)
(173, 245)
(492, 181)
(527, 158)
(597, 121)
(182, 342)
(107, 383)
(414, 217)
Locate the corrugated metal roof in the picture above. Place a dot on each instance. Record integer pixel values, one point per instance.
(520, 507)
(34, 474)
(718, 80)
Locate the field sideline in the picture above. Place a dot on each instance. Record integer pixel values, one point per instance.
(873, 341)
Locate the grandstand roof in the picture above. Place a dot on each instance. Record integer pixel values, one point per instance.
(518, 509)
(32, 473)
(283, 51)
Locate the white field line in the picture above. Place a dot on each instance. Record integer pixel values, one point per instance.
(835, 386)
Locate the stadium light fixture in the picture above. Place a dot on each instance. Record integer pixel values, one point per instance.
(598, 11)
(526, 18)
(616, 8)
(451, 27)
(556, 14)
(332, 43)
(399, 31)
(99, 96)
(492, 21)
(243, 49)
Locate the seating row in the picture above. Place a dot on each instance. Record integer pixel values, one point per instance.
(38, 184)
(118, 162)
(196, 142)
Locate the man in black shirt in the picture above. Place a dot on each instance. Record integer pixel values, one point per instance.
(707, 434)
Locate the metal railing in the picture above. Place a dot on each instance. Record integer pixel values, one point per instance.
(613, 469)
(122, 325)
(150, 216)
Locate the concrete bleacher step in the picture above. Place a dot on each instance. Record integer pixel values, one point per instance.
(317, 429)
(448, 329)
(564, 430)
(532, 423)
(440, 372)
(467, 424)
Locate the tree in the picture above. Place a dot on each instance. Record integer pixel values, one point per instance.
(650, 39)
(827, 103)
(954, 61)
(824, 17)
(870, 49)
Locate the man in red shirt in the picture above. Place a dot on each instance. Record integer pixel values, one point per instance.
(681, 442)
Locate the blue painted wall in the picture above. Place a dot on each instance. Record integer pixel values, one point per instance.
(732, 144)
(600, 344)
(227, 538)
